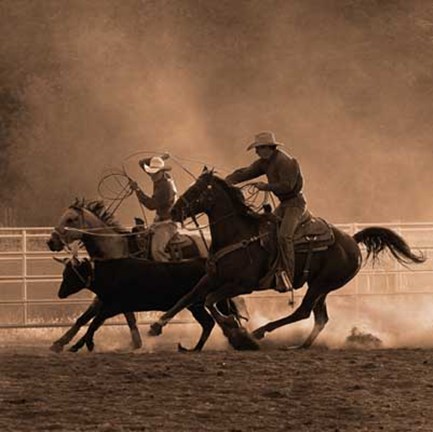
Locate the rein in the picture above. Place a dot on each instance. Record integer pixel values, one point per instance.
(92, 232)
(214, 258)
(203, 227)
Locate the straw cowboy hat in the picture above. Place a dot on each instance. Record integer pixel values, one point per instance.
(155, 165)
(264, 139)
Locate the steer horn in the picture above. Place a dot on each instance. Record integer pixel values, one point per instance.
(63, 261)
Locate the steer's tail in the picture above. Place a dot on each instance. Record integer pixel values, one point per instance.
(378, 239)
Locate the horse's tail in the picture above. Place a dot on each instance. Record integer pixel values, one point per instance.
(378, 239)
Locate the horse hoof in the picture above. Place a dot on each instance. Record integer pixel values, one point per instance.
(90, 346)
(136, 345)
(231, 322)
(290, 348)
(303, 346)
(155, 329)
(259, 333)
(56, 347)
(136, 342)
(241, 340)
(73, 349)
(181, 348)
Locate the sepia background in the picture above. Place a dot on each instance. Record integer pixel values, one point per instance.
(88, 87)
(345, 84)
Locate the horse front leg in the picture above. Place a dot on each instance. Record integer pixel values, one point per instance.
(207, 324)
(135, 334)
(237, 335)
(198, 292)
(82, 320)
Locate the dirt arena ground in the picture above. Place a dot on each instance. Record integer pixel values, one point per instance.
(352, 388)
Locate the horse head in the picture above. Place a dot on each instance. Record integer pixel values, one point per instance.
(198, 198)
(91, 223)
(55, 242)
(203, 195)
(68, 229)
(77, 275)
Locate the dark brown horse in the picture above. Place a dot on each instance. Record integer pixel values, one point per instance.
(239, 260)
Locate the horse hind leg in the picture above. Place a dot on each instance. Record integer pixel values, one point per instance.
(320, 320)
(302, 312)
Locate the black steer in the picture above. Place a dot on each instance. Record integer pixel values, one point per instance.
(133, 285)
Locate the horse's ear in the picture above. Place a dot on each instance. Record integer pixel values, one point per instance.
(206, 170)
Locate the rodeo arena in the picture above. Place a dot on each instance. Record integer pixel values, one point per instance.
(98, 335)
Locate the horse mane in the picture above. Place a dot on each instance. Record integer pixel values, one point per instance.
(97, 207)
(238, 199)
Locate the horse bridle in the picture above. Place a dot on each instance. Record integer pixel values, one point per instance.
(203, 198)
(214, 258)
(62, 235)
(198, 200)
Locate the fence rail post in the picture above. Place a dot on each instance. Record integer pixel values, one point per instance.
(25, 299)
(25, 275)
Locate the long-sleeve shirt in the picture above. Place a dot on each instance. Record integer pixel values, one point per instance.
(283, 174)
(164, 196)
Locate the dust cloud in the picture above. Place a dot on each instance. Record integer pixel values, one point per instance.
(394, 323)
(345, 84)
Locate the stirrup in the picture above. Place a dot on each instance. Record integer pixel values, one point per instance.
(285, 278)
(286, 284)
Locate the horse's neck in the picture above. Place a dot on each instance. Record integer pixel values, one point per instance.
(228, 227)
(105, 243)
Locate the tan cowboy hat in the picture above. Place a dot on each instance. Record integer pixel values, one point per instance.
(264, 139)
(156, 164)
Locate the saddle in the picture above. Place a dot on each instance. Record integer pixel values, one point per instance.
(313, 234)
(183, 246)
(180, 246)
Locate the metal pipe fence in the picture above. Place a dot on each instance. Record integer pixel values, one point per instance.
(29, 278)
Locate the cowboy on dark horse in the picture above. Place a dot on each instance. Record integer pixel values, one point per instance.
(164, 196)
(285, 181)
